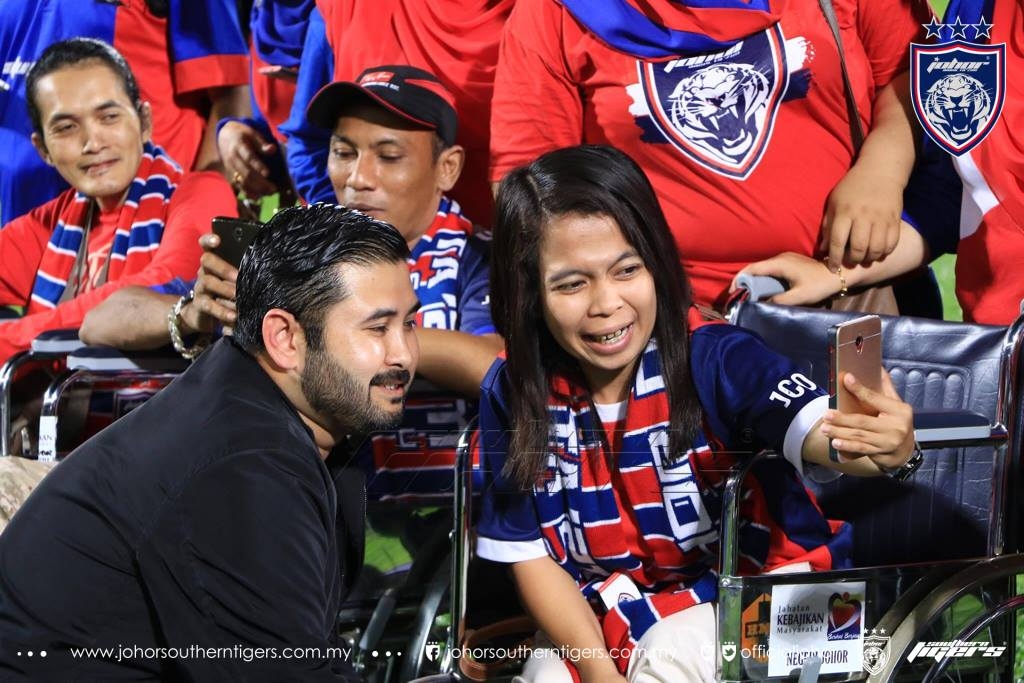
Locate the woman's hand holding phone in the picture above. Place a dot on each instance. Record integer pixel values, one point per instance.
(886, 439)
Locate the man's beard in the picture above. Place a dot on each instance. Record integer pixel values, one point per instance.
(338, 398)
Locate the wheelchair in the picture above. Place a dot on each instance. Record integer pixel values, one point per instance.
(933, 594)
(75, 365)
(47, 349)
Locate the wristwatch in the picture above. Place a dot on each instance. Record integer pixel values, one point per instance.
(174, 328)
(908, 468)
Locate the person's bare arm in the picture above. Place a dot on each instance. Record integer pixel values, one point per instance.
(809, 281)
(457, 361)
(862, 216)
(231, 101)
(132, 318)
(554, 600)
(136, 317)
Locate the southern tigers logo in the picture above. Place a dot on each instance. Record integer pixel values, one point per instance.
(958, 91)
(718, 109)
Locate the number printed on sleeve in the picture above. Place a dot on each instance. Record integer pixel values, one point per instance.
(794, 386)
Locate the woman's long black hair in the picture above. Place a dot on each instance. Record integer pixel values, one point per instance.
(586, 180)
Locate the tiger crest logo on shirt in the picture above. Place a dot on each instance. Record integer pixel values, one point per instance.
(718, 108)
(958, 87)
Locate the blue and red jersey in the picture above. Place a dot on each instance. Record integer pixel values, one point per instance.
(198, 45)
(278, 29)
(610, 500)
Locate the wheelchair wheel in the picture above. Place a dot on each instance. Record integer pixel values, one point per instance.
(963, 631)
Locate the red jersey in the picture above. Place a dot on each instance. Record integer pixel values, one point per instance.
(743, 146)
(456, 40)
(197, 199)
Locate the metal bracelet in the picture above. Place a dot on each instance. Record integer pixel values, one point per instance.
(173, 327)
(843, 290)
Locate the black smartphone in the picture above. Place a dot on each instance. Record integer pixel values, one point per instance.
(235, 236)
(855, 347)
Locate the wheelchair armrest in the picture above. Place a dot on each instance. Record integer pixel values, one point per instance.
(940, 428)
(729, 542)
(56, 342)
(760, 287)
(106, 359)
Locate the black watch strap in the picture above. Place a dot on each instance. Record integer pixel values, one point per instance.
(908, 468)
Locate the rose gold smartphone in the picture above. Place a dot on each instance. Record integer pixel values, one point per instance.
(855, 347)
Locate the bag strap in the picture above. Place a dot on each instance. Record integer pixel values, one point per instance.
(487, 671)
(856, 130)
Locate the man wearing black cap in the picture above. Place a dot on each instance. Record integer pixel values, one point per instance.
(393, 156)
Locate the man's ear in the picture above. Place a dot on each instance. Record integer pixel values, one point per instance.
(283, 340)
(40, 145)
(146, 120)
(449, 167)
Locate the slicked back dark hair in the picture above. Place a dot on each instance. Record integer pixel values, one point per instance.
(292, 265)
(73, 52)
(589, 180)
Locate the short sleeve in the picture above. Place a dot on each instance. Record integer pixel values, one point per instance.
(474, 304)
(932, 200)
(537, 106)
(507, 530)
(886, 29)
(206, 45)
(753, 397)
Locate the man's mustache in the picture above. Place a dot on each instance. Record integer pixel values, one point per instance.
(402, 377)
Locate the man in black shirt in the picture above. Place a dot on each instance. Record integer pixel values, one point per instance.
(202, 537)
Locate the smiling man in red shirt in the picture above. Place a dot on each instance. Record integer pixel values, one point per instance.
(131, 217)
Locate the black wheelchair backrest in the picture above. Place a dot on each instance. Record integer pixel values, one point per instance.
(943, 511)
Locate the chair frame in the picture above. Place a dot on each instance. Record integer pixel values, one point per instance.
(48, 346)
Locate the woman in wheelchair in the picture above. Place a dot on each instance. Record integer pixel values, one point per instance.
(610, 428)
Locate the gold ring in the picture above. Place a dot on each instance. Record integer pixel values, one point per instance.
(237, 178)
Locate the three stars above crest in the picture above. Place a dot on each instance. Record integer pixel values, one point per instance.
(958, 29)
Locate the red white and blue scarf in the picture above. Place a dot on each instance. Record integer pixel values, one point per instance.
(658, 29)
(140, 227)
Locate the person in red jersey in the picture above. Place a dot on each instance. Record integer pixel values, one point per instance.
(735, 110)
(131, 216)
